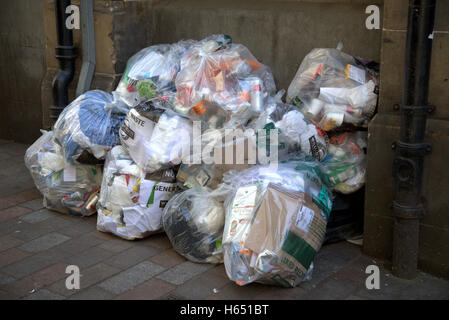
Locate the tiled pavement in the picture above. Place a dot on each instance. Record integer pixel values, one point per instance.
(36, 245)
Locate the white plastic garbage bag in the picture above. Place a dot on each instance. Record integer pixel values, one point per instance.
(131, 201)
(156, 138)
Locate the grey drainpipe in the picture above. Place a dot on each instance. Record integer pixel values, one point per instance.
(88, 44)
(66, 54)
(409, 205)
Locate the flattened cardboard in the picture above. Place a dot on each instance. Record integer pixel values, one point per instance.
(275, 217)
(275, 212)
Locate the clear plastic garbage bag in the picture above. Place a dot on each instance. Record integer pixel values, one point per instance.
(334, 88)
(131, 202)
(151, 72)
(89, 127)
(345, 165)
(193, 221)
(155, 138)
(275, 222)
(66, 188)
(221, 83)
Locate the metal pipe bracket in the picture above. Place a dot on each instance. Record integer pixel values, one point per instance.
(417, 110)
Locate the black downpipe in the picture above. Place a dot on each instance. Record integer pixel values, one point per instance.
(409, 205)
(66, 54)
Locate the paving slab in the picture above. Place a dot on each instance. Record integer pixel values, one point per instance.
(92, 293)
(132, 256)
(89, 257)
(80, 244)
(331, 289)
(13, 212)
(96, 274)
(7, 242)
(5, 279)
(116, 245)
(201, 287)
(8, 227)
(132, 277)
(232, 291)
(168, 258)
(36, 216)
(34, 205)
(12, 255)
(149, 290)
(34, 263)
(183, 272)
(45, 242)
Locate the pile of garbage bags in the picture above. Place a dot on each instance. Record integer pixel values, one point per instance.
(196, 142)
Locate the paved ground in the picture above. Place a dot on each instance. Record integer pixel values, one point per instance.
(36, 245)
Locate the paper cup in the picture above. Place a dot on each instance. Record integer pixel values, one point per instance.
(333, 120)
(315, 107)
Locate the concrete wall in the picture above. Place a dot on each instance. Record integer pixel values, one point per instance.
(384, 129)
(278, 33)
(22, 65)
